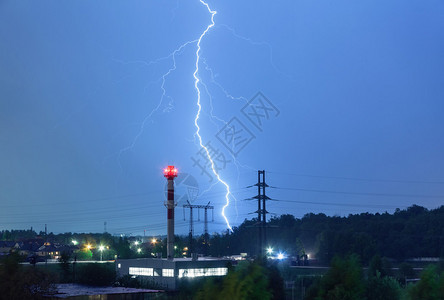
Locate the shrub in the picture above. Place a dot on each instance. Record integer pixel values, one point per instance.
(96, 274)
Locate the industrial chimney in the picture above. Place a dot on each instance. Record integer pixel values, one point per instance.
(170, 173)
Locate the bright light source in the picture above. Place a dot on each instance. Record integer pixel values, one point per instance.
(74, 242)
(170, 172)
(88, 246)
(101, 248)
(175, 247)
(153, 241)
(136, 243)
(280, 255)
(139, 250)
(269, 250)
(308, 255)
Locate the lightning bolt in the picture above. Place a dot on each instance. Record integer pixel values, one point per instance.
(162, 87)
(196, 85)
(163, 78)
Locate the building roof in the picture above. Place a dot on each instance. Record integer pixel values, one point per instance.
(7, 244)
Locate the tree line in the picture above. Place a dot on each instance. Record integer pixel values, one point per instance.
(410, 233)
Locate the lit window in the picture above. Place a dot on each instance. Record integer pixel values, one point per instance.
(168, 272)
(202, 272)
(141, 271)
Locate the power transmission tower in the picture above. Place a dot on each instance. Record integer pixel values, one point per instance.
(261, 211)
(206, 235)
(191, 232)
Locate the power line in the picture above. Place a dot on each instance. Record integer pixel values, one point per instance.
(337, 204)
(360, 179)
(360, 193)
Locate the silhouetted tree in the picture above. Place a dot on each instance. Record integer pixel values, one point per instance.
(343, 281)
(383, 288)
(65, 266)
(430, 287)
(19, 283)
(247, 281)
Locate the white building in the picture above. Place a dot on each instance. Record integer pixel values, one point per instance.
(167, 274)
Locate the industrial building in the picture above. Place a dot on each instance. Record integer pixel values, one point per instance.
(167, 272)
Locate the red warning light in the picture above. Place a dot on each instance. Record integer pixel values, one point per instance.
(170, 172)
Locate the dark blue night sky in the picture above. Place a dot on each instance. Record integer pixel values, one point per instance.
(96, 97)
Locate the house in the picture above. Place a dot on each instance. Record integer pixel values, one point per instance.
(49, 250)
(6, 247)
(28, 247)
(54, 251)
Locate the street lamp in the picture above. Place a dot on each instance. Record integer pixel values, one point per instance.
(74, 242)
(101, 248)
(269, 250)
(139, 250)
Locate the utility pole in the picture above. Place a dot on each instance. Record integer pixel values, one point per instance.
(191, 232)
(206, 235)
(104, 227)
(259, 213)
(264, 210)
(261, 198)
(46, 244)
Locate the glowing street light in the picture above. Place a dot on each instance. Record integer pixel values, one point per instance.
(139, 250)
(74, 242)
(154, 241)
(101, 248)
(269, 250)
(88, 246)
(280, 256)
